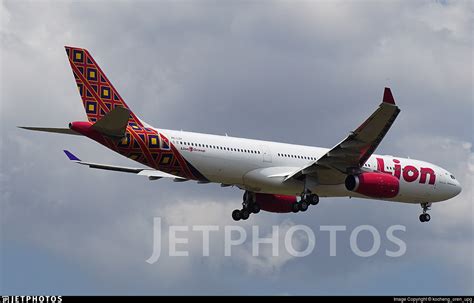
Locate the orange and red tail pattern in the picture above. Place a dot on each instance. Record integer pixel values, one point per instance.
(98, 94)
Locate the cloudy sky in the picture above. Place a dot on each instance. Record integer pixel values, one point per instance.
(292, 71)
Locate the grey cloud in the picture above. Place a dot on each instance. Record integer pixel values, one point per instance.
(302, 73)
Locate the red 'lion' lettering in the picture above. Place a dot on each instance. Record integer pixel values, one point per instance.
(410, 173)
(427, 171)
(398, 168)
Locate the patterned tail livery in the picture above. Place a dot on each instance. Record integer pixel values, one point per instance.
(139, 142)
(98, 94)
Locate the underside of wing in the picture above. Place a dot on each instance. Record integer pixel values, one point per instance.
(152, 174)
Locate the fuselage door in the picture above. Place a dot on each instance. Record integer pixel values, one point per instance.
(266, 153)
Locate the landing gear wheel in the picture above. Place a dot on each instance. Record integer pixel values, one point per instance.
(422, 218)
(295, 207)
(255, 208)
(303, 206)
(245, 214)
(313, 199)
(427, 217)
(236, 215)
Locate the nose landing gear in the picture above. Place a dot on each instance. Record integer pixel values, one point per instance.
(425, 217)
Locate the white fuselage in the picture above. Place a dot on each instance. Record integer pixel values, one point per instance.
(261, 166)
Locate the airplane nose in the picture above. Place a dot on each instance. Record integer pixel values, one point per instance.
(458, 189)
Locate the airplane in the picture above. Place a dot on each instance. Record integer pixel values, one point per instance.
(275, 177)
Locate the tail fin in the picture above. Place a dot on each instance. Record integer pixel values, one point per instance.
(98, 94)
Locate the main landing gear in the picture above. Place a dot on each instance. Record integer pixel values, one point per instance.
(306, 200)
(249, 206)
(425, 217)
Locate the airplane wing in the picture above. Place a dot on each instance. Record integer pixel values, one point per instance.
(113, 124)
(65, 131)
(152, 174)
(350, 154)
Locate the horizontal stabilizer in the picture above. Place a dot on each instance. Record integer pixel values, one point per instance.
(114, 123)
(65, 131)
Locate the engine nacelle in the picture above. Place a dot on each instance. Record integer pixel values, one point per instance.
(275, 203)
(375, 185)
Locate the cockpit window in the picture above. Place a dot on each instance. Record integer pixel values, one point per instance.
(452, 177)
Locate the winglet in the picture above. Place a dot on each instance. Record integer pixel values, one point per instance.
(388, 97)
(71, 156)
